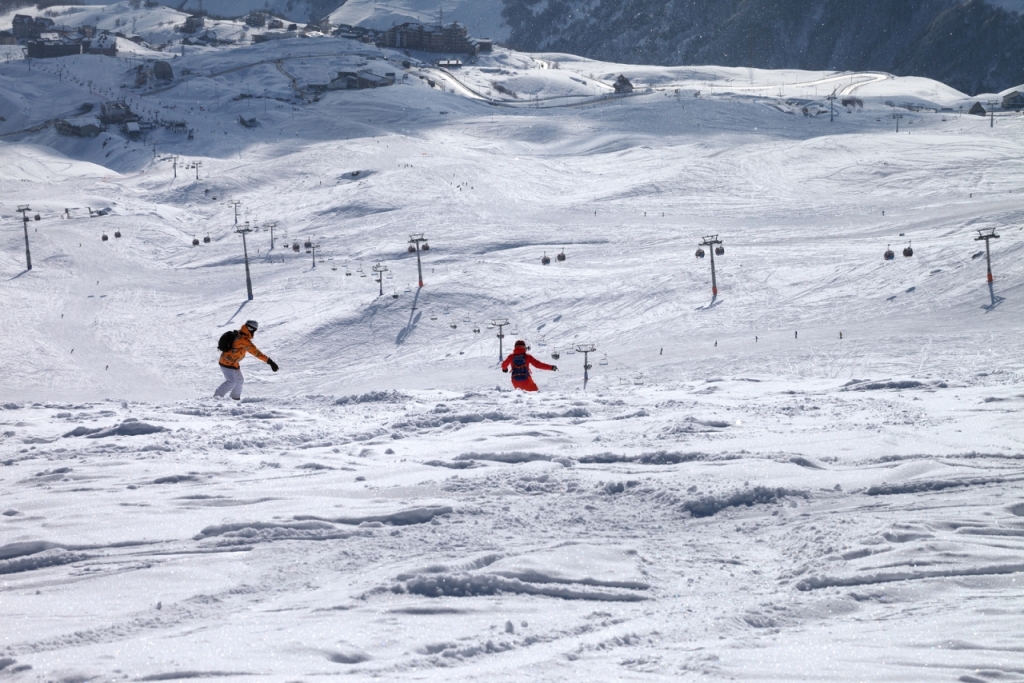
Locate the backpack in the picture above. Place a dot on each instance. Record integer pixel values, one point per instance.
(227, 340)
(520, 369)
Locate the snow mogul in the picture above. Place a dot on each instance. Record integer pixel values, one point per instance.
(233, 347)
(520, 361)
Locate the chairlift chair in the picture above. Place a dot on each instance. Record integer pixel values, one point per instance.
(719, 250)
(308, 245)
(700, 253)
(453, 326)
(296, 248)
(395, 294)
(555, 355)
(561, 255)
(117, 233)
(476, 330)
(545, 259)
(195, 241)
(205, 239)
(425, 247)
(888, 255)
(411, 249)
(433, 316)
(604, 360)
(105, 238)
(908, 251)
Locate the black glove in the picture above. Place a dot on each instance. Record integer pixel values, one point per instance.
(555, 368)
(504, 369)
(272, 364)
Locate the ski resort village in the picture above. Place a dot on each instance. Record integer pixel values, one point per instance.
(357, 342)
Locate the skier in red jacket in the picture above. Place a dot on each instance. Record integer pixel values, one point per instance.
(520, 361)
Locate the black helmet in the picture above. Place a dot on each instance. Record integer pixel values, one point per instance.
(252, 325)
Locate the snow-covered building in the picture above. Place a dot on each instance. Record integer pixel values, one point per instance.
(194, 23)
(24, 26)
(53, 46)
(1014, 100)
(115, 112)
(352, 80)
(81, 127)
(453, 37)
(103, 44)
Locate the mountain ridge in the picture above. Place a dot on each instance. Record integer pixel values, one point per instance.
(968, 44)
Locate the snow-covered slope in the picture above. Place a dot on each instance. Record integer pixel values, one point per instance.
(814, 475)
(483, 17)
(158, 26)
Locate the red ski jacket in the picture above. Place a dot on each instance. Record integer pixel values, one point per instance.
(521, 366)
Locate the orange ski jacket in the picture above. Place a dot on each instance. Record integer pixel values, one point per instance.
(243, 345)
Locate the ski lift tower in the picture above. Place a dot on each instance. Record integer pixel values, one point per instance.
(586, 350)
(831, 106)
(992, 113)
(243, 231)
(380, 270)
(24, 209)
(311, 248)
(714, 246)
(987, 234)
(500, 323)
(271, 225)
(415, 242)
(235, 203)
(897, 118)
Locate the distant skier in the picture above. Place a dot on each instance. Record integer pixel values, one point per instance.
(520, 361)
(233, 346)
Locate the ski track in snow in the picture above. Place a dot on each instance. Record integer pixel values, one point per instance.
(799, 507)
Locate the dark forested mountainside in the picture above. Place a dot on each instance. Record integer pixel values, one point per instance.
(968, 44)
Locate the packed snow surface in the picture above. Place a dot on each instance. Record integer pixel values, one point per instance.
(815, 474)
(481, 17)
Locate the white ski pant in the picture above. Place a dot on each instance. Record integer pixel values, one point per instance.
(232, 382)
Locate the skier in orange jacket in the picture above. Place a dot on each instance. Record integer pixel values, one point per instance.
(230, 359)
(520, 361)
